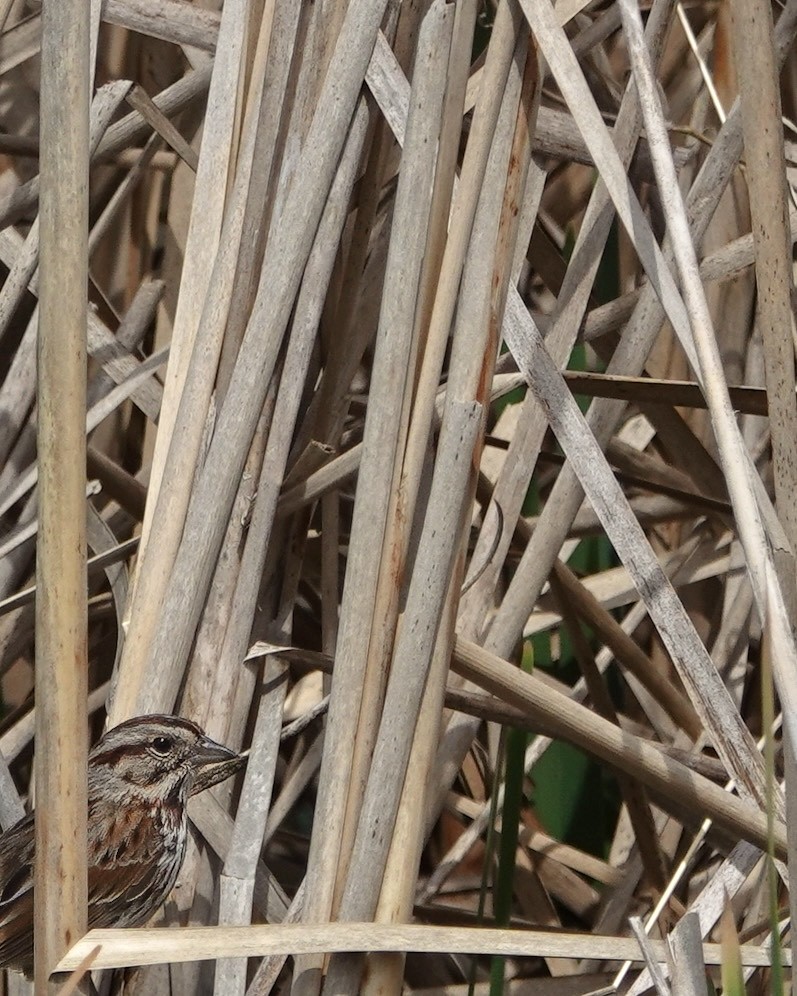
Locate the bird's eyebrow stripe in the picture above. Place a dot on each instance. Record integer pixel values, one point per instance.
(114, 754)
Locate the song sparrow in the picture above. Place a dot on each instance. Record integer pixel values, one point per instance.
(139, 778)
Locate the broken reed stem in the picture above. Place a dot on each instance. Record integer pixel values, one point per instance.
(61, 609)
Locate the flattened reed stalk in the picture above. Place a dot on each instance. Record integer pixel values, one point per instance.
(61, 665)
(152, 946)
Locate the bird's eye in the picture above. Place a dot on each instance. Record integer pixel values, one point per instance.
(161, 745)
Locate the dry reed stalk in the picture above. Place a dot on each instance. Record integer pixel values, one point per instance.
(687, 968)
(151, 946)
(535, 751)
(401, 314)
(574, 295)
(209, 690)
(255, 800)
(496, 229)
(236, 887)
(5, 10)
(61, 673)
(761, 116)
(337, 470)
(173, 21)
(512, 485)
(115, 359)
(626, 651)
(635, 797)
(581, 273)
(636, 343)
(279, 279)
(99, 411)
(393, 375)
(397, 892)
(405, 690)
(294, 372)
(778, 594)
(430, 78)
(184, 410)
(708, 694)
(212, 684)
(18, 392)
(553, 44)
(498, 61)
(251, 209)
(652, 768)
(741, 479)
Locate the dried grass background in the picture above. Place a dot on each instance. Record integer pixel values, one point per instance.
(441, 409)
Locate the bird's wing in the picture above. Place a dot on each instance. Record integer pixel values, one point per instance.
(16, 933)
(16, 894)
(127, 893)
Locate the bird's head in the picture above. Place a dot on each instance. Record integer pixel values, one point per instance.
(157, 757)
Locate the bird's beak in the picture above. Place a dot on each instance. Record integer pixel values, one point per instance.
(213, 763)
(210, 752)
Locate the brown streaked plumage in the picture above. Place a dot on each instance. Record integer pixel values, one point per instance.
(139, 778)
